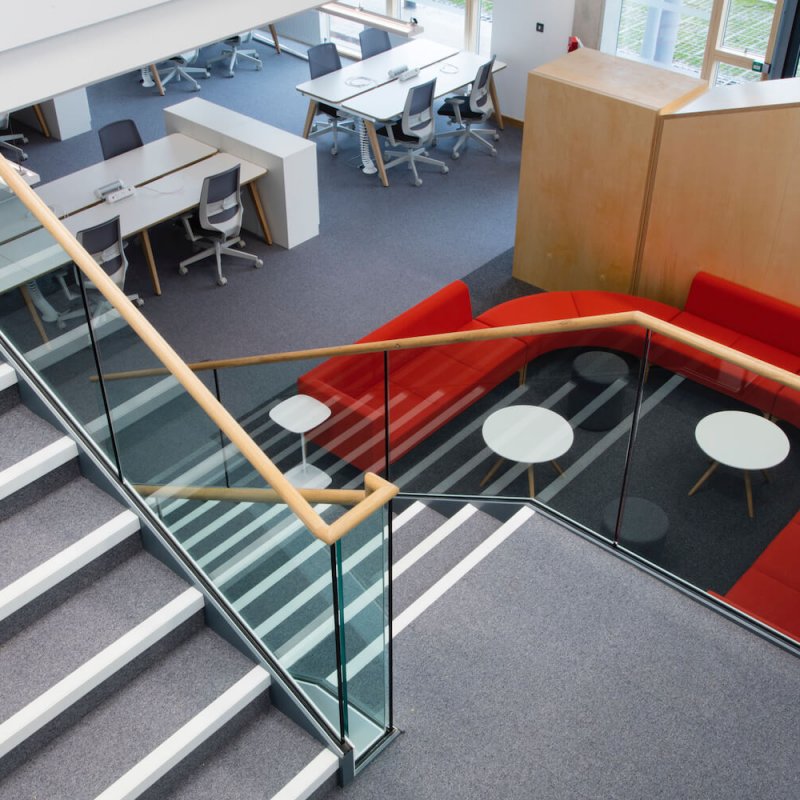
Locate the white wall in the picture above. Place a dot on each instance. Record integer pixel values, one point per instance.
(113, 41)
(515, 41)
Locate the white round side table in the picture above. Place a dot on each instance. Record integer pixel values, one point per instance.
(528, 434)
(742, 440)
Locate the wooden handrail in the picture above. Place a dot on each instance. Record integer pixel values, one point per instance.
(221, 417)
(638, 318)
(245, 494)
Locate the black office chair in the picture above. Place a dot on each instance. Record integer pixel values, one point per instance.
(414, 132)
(104, 244)
(119, 137)
(467, 111)
(220, 214)
(373, 41)
(322, 60)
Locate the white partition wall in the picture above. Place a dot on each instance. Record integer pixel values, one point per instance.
(288, 191)
(516, 41)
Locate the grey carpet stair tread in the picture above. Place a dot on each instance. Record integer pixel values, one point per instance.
(122, 730)
(87, 622)
(255, 762)
(412, 532)
(441, 559)
(48, 526)
(22, 434)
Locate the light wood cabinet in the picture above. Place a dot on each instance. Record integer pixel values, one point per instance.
(591, 121)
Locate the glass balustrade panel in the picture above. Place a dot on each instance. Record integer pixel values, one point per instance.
(546, 417)
(363, 562)
(320, 421)
(43, 317)
(713, 485)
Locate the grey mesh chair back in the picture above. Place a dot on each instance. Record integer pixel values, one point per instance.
(119, 137)
(323, 58)
(418, 119)
(220, 203)
(480, 99)
(373, 41)
(104, 243)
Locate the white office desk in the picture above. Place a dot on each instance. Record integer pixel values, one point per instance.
(15, 218)
(387, 102)
(336, 87)
(163, 199)
(289, 190)
(75, 191)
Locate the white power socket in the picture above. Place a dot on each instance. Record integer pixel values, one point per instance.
(120, 194)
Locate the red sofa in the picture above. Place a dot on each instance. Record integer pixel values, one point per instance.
(427, 386)
(430, 386)
(770, 589)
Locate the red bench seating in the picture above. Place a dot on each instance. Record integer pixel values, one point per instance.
(770, 589)
(427, 386)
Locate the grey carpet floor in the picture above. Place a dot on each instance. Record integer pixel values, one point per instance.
(555, 671)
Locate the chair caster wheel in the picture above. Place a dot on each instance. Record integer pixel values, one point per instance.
(259, 264)
(497, 137)
(418, 182)
(445, 169)
(334, 151)
(456, 155)
(183, 270)
(228, 74)
(208, 73)
(493, 152)
(222, 281)
(259, 66)
(240, 244)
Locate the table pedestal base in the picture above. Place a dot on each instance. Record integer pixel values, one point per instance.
(307, 476)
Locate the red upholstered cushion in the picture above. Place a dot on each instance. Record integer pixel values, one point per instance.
(787, 405)
(757, 390)
(781, 559)
(751, 313)
(696, 364)
(431, 369)
(769, 600)
(628, 338)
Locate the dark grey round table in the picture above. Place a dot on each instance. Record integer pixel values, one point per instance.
(593, 372)
(644, 525)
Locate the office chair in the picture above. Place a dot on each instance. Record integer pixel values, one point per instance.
(373, 41)
(467, 111)
(220, 214)
(7, 139)
(119, 137)
(322, 60)
(414, 132)
(104, 244)
(234, 51)
(179, 68)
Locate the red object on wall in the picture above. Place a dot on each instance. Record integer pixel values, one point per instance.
(573, 43)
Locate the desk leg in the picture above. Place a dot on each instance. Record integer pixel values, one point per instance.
(376, 151)
(159, 85)
(275, 39)
(37, 109)
(312, 110)
(498, 116)
(262, 217)
(151, 263)
(26, 296)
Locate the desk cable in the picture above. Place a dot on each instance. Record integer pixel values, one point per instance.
(449, 69)
(360, 81)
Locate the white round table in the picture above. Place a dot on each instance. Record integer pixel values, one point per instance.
(741, 440)
(528, 434)
(300, 414)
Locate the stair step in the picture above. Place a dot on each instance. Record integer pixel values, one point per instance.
(312, 777)
(135, 596)
(55, 522)
(194, 733)
(23, 434)
(116, 735)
